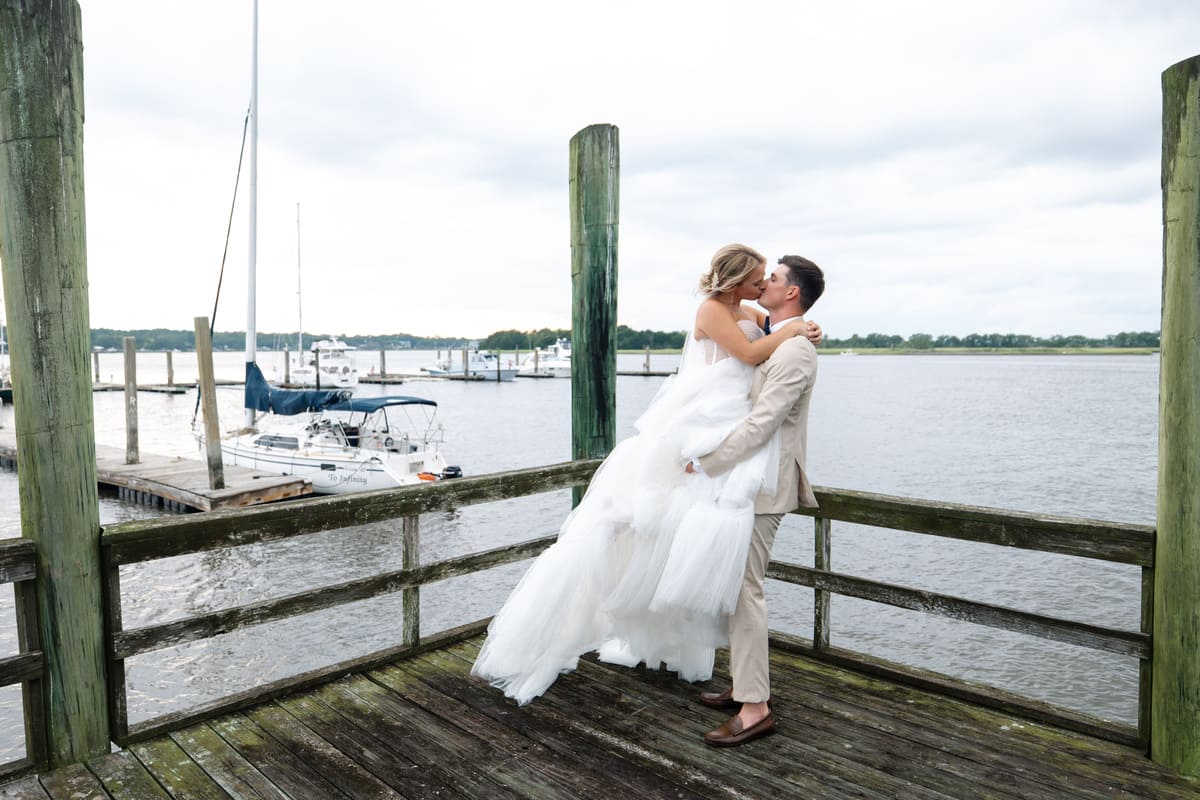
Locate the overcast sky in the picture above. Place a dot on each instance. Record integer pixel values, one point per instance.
(954, 167)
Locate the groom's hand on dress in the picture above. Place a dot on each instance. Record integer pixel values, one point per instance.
(813, 332)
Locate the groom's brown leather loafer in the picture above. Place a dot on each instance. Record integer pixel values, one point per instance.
(719, 699)
(731, 734)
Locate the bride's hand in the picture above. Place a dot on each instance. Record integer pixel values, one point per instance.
(813, 331)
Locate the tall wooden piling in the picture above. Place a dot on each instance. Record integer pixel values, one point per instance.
(594, 194)
(1175, 691)
(132, 456)
(170, 369)
(208, 403)
(42, 249)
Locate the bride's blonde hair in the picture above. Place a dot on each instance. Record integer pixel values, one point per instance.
(730, 265)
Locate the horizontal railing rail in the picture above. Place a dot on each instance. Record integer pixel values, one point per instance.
(144, 540)
(18, 566)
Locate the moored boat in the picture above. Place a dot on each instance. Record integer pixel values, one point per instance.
(548, 362)
(328, 365)
(341, 444)
(480, 364)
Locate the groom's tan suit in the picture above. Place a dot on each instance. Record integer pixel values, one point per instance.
(780, 393)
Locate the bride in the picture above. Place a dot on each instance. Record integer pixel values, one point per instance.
(649, 564)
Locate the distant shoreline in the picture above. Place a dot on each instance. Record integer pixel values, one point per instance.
(990, 351)
(957, 351)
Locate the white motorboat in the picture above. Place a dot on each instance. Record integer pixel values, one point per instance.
(341, 444)
(480, 365)
(328, 365)
(548, 362)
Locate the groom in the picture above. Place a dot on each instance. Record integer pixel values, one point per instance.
(780, 393)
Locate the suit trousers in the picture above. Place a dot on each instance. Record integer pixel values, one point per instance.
(749, 662)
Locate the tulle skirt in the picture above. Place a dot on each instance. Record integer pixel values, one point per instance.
(650, 564)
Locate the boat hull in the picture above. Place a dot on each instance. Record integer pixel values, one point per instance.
(334, 472)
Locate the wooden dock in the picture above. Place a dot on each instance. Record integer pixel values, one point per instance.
(177, 483)
(423, 727)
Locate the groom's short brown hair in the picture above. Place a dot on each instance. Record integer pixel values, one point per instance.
(807, 277)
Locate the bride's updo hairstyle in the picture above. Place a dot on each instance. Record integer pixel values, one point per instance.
(731, 265)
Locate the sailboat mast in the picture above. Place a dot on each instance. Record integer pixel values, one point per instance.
(251, 329)
(299, 306)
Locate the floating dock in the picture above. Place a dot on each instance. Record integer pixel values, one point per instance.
(176, 483)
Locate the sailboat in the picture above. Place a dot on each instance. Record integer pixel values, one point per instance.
(341, 444)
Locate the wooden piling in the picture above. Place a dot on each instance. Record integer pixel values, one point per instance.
(594, 194)
(42, 252)
(1175, 708)
(208, 402)
(287, 366)
(96, 366)
(131, 400)
(170, 370)
(382, 364)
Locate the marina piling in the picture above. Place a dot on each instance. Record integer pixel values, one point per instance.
(131, 400)
(594, 195)
(42, 251)
(1175, 682)
(208, 402)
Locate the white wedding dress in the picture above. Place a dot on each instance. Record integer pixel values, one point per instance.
(650, 563)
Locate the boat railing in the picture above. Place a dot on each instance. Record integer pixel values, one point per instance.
(147, 540)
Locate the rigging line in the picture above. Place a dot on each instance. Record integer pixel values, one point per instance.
(212, 323)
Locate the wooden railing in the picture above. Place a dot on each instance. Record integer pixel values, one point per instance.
(1105, 541)
(146, 540)
(18, 566)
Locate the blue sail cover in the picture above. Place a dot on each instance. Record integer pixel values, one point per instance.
(261, 396)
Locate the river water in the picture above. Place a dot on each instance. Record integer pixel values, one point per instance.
(1073, 435)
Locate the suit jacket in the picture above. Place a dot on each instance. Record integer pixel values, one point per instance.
(780, 393)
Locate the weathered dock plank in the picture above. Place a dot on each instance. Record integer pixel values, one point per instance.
(335, 766)
(221, 762)
(176, 772)
(73, 782)
(359, 745)
(124, 776)
(23, 789)
(423, 727)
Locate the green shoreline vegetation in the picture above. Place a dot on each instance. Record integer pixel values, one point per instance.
(659, 342)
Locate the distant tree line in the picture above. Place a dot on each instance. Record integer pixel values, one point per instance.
(162, 339)
(925, 341)
(627, 339)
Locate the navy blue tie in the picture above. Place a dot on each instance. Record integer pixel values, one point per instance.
(767, 324)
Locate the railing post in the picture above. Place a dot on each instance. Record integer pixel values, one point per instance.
(410, 558)
(42, 251)
(131, 401)
(33, 693)
(1175, 707)
(594, 197)
(822, 550)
